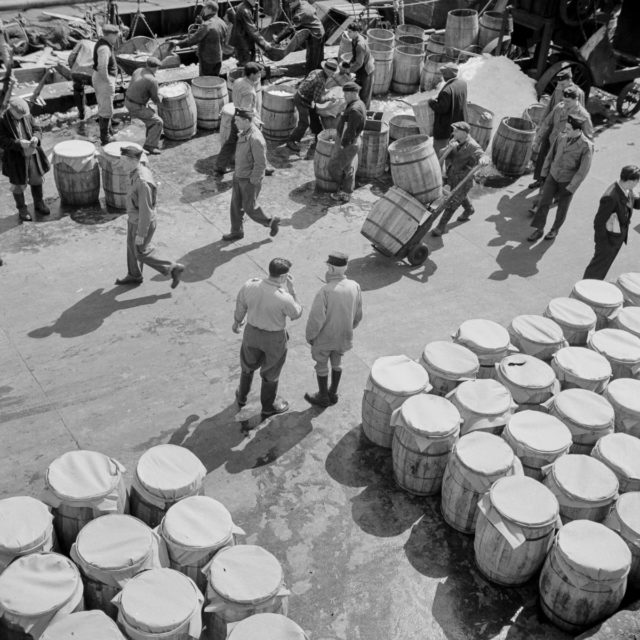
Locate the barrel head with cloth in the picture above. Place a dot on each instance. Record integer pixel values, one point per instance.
(621, 453)
(530, 380)
(83, 624)
(628, 320)
(624, 396)
(629, 284)
(76, 172)
(448, 364)
(116, 179)
(581, 368)
(536, 336)
(576, 319)
(267, 626)
(487, 339)
(603, 297)
(625, 520)
(620, 348)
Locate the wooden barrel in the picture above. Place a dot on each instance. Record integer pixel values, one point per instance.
(164, 475)
(585, 487)
(462, 28)
(435, 44)
(194, 530)
(584, 577)
(604, 298)
(430, 76)
(279, 115)
(481, 122)
(535, 113)
(412, 42)
(178, 111)
(620, 348)
(76, 172)
(269, 626)
(624, 520)
(116, 179)
(210, 94)
(377, 37)
(624, 396)
(629, 284)
(487, 339)
(345, 46)
(109, 551)
(226, 120)
(425, 429)
(406, 70)
(424, 117)
(415, 167)
(538, 439)
(372, 158)
(325, 149)
(448, 364)
(242, 581)
(409, 30)
(383, 56)
(628, 320)
(391, 381)
(581, 368)
(490, 25)
(515, 528)
(536, 336)
(530, 380)
(621, 453)
(402, 125)
(512, 146)
(476, 462)
(172, 612)
(232, 76)
(576, 319)
(33, 590)
(83, 624)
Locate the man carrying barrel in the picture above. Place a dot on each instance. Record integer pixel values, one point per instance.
(449, 106)
(144, 87)
(104, 78)
(362, 62)
(245, 35)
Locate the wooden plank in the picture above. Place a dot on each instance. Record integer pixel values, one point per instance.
(63, 16)
(337, 34)
(44, 54)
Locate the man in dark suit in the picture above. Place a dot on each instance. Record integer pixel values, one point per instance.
(450, 106)
(611, 224)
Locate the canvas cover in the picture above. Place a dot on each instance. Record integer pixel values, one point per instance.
(624, 396)
(625, 517)
(398, 375)
(80, 155)
(83, 625)
(267, 626)
(621, 453)
(483, 404)
(629, 284)
(536, 335)
(628, 320)
(487, 339)
(584, 478)
(598, 293)
(571, 312)
(484, 453)
(572, 363)
(617, 345)
(450, 360)
(533, 431)
(584, 409)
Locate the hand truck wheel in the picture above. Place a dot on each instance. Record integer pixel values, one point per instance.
(417, 255)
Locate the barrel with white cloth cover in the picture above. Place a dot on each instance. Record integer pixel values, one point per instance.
(624, 396)
(536, 336)
(581, 368)
(529, 380)
(621, 453)
(476, 462)
(448, 364)
(391, 381)
(603, 297)
(584, 577)
(194, 530)
(80, 486)
(116, 177)
(538, 439)
(484, 405)
(26, 526)
(625, 519)
(629, 284)
(487, 339)
(35, 591)
(160, 603)
(267, 626)
(588, 416)
(164, 474)
(242, 581)
(515, 528)
(620, 348)
(425, 427)
(111, 550)
(76, 172)
(628, 320)
(576, 319)
(93, 625)
(585, 487)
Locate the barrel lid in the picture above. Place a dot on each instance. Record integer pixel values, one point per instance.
(625, 392)
(524, 500)
(483, 336)
(23, 522)
(82, 475)
(113, 148)
(595, 550)
(537, 329)
(399, 375)
(81, 625)
(245, 574)
(158, 600)
(539, 431)
(485, 397)
(207, 82)
(484, 453)
(629, 282)
(430, 415)
(584, 363)
(598, 292)
(620, 452)
(452, 358)
(629, 320)
(267, 626)
(628, 509)
(584, 477)
(170, 471)
(584, 407)
(526, 371)
(114, 541)
(173, 90)
(74, 149)
(197, 522)
(38, 583)
(616, 344)
(572, 313)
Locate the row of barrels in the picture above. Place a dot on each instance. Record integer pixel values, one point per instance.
(161, 559)
(531, 436)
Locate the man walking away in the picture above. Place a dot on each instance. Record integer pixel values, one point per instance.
(611, 224)
(449, 106)
(336, 311)
(104, 79)
(362, 63)
(266, 303)
(81, 64)
(245, 34)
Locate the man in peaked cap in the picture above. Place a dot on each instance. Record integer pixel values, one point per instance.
(565, 79)
(336, 311)
(450, 105)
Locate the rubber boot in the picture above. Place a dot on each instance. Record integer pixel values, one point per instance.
(23, 211)
(271, 405)
(243, 388)
(80, 102)
(336, 374)
(320, 399)
(38, 200)
(105, 138)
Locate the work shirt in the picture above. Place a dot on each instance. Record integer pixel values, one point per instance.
(614, 212)
(266, 304)
(305, 17)
(312, 88)
(553, 125)
(352, 121)
(361, 56)
(245, 95)
(569, 160)
(141, 200)
(245, 32)
(336, 311)
(103, 59)
(210, 36)
(251, 155)
(81, 58)
(557, 95)
(462, 159)
(143, 87)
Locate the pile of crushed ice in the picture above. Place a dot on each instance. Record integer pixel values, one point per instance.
(172, 90)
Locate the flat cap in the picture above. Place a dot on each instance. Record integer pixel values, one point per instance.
(449, 69)
(153, 62)
(462, 126)
(110, 28)
(351, 86)
(131, 152)
(576, 120)
(338, 259)
(243, 113)
(210, 6)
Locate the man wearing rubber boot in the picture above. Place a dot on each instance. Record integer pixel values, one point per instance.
(266, 303)
(336, 311)
(24, 161)
(81, 64)
(104, 79)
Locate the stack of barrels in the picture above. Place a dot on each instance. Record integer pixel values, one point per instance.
(530, 435)
(160, 559)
